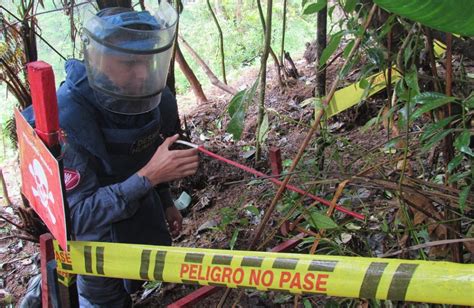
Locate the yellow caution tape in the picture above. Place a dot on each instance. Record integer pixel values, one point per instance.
(351, 95)
(64, 264)
(394, 279)
(439, 48)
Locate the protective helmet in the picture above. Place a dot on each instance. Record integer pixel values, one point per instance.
(127, 56)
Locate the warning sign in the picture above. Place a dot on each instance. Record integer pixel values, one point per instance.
(41, 179)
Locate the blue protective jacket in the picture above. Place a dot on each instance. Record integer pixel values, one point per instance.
(111, 203)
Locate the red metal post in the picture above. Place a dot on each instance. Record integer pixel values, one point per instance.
(47, 254)
(275, 160)
(45, 105)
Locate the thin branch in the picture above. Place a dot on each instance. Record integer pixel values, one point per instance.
(272, 53)
(221, 40)
(212, 77)
(426, 245)
(11, 222)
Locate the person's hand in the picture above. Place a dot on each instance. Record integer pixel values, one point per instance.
(166, 165)
(174, 219)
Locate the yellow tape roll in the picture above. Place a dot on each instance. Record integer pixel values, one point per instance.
(394, 279)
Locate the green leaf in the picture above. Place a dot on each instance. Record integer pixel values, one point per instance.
(462, 143)
(364, 84)
(237, 108)
(236, 102)
(330, 48)
(470, 103)
(236, 124)
(307, 303)
(454, 163)
(233, 240)
(455, 178)
(463, 197)
(387, 26)
(430, 97)
(331, 10)
(430, 101)
(455, 16)
(263, 132)
(411, 78)
(320, 221)
(350, 5)
(432, 128)
(348, 49)
(253, 209)
(436, 138)
(315, 7)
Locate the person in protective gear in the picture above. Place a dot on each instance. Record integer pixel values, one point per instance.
(115, 109)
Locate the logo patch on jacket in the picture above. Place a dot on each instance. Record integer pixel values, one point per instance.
(144, 143)
(71, 178)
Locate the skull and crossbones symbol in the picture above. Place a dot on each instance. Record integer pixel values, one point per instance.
(41, 190)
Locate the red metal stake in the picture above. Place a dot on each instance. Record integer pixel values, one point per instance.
(275, 160)
(47, 254)
(45, 105)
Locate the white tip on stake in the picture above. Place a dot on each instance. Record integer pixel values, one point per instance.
(189, 144)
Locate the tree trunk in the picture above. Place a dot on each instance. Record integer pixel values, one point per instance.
(238, 11)
(321, 41)
(212, 77)
(190, 76)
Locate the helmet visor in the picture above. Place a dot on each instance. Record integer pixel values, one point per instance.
(129, 65)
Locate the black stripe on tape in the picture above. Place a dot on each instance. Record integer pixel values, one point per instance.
(222, 259)
(372, 279)
(88, 258)
(285, 263)
(185, 281)
(322, 266)
(194, 257)
(66, 266)
(159, 265)
(60, 277)
(99, 252)
(251, 262)
(145, 264)
(400, 281)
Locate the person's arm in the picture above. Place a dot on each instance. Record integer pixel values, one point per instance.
(92, 206)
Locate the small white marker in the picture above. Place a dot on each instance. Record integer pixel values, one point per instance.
(189, 144)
